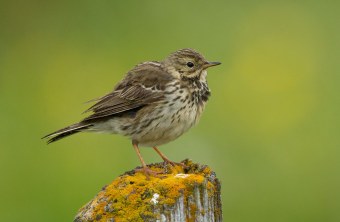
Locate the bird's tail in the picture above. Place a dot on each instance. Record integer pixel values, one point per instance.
(67, 131)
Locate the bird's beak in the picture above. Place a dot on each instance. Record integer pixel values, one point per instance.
(210, 64)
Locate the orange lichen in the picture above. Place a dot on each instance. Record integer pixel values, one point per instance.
(128, 198)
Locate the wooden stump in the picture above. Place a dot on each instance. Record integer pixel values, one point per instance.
(190, 194)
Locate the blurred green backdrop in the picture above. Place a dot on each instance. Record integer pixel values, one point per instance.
(270, 130)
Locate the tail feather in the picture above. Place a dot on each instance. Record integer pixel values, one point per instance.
(67, 131)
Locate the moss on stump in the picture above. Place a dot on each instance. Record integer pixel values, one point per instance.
(190, 194)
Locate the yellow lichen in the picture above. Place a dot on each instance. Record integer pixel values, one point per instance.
(128, 198)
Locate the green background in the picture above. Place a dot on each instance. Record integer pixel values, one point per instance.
(270, 130)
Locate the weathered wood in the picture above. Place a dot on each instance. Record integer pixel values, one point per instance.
(190, 194)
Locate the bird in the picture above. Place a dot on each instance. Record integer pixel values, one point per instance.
(155, 103)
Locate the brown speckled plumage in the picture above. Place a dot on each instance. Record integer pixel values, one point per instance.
(155, 103)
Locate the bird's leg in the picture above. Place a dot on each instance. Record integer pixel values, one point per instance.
(166, 158)
(146, 169)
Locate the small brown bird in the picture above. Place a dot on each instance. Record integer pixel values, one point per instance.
(155, 103)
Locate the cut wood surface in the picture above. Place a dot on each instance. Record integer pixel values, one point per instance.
(180, 194)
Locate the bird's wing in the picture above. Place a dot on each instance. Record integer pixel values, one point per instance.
(141, 86)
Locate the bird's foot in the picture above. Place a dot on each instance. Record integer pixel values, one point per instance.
(167, 161)
(149, 172)
(172, 163)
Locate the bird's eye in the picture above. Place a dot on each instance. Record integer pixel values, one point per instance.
(190, 64)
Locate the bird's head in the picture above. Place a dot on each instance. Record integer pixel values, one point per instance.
(187, 63)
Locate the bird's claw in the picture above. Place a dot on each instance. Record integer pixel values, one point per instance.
(172, 163)
(149, 172)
